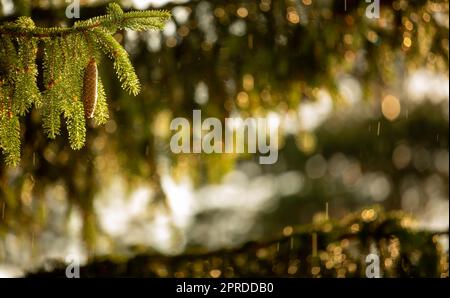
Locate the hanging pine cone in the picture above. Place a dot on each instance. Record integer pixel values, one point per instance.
(90, 88)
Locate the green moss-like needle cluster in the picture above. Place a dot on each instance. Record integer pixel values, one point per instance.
(66, 53)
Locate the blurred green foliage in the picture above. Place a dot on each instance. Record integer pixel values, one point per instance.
(257, 57)
(324, 248)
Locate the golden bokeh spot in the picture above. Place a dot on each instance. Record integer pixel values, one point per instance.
(345, 243)
(337, 250)
(248, 82)
(183, 31)
(262, 253)
(352, 267)
(242, 12)
(293, 17)
(219, 12)
(292, 269)
(266, 96)
(390, 107)
(408, 222)
(265, 6)
(288, 230)
(162, 272)
(354, 228)
(407, 42)
(372, 36)
(327, 228)
(206, 46)
(171, 42)
(315, 270)
(242, 99)
(323, 256)
(388, 262)
(341, 272)
(409, 25)
(228, 105)
(161, 125)
(368, 215)
(348, 39)
(401, 156)
(329, 264)
(215, 273)
(349, 56)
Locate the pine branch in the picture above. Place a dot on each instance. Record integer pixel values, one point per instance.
(122, 64)
(115, 19)
(101, 114)
(70, 77)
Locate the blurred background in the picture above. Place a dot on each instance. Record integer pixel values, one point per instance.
(362, 104)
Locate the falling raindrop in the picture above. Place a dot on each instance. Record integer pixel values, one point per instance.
(32, 241)
(378, 128)
(326, 210)
(314, 244)
(250, 41)
(3, 210)
(44, 211)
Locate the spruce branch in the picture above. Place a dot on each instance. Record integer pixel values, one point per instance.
(122, 64)
(10, 138)
(101, 114)
(114, 19)
(72, 86)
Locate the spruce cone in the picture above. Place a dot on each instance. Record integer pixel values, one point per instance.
(90, 88)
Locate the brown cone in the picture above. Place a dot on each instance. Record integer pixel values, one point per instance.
(90, 88)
